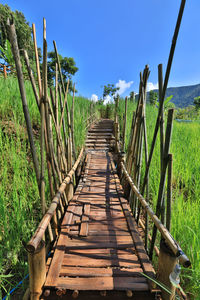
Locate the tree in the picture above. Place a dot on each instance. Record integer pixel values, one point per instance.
(68, 68)
(153, 98)
(23, 30)
(132, 96)
(109, 90)
(197, 102)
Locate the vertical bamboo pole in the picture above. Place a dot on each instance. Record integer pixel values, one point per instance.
(15, 51)
(56, 95)
(59, 67)
(72, 124)
(37, 60)
(116, 107)
(42, 114)
(4, 71)
(26, 58)
(169, 192)
(163, 175)
(37, 271)
(169, 64)
(63, 122)
(162, 128)
(124, 126)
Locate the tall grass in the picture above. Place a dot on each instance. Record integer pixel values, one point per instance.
(19, 198)
(186, 187)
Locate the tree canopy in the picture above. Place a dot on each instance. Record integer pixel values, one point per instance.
(68, 68)
(153, 98)
(23, 30)
(197, 102)
(109, 89)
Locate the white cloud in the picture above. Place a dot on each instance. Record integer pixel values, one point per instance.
(107, 99)
(123, 86)
(94, 98)
(151, 86)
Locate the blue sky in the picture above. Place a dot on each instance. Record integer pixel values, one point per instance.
(112, 40)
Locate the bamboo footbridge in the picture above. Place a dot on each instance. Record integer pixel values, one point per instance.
(99, 247)
(94, 240)
(99, 251)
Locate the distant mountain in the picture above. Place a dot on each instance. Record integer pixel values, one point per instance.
(184, 95)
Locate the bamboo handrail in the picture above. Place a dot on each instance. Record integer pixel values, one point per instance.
(183, 259)
(37, 237)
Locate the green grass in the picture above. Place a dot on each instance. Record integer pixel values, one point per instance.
(20, 211)
(186, 188)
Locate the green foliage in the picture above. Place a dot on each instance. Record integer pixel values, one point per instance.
(6, 53)
(197, 102)
(153, 98)
(187, 113)
(109, 90)
(23, 30)
(132, 96)
(68, 67)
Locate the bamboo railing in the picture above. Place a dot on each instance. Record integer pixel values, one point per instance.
(37, 237)
(137, 188)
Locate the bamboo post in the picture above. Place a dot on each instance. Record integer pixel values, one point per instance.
(162, 127)
(166, 264)
(59, 67)
(169, 192)
(124, 125)
(169, 64)
(15, 51)
(58, 136)
(42, 114)
(63, 122)
(116, 107)
(134, 135)
(56, 95)
(37, 60)
(26, 58)
(72, 124)
(37, 271)
(163, 175)
(4, 71)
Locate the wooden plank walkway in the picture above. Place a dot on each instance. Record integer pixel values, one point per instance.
(99, 247)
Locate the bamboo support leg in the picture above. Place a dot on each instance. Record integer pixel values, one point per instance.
(37, 271)
(166, 264)
(70, 191)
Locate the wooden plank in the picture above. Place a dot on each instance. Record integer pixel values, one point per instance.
(84, 221)
(102, 283)
(77, 215)
(92, 239)
(100, 272)
(56, 261)
(102, 251)
(75, 232)
(99, 245)
(103, 261)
